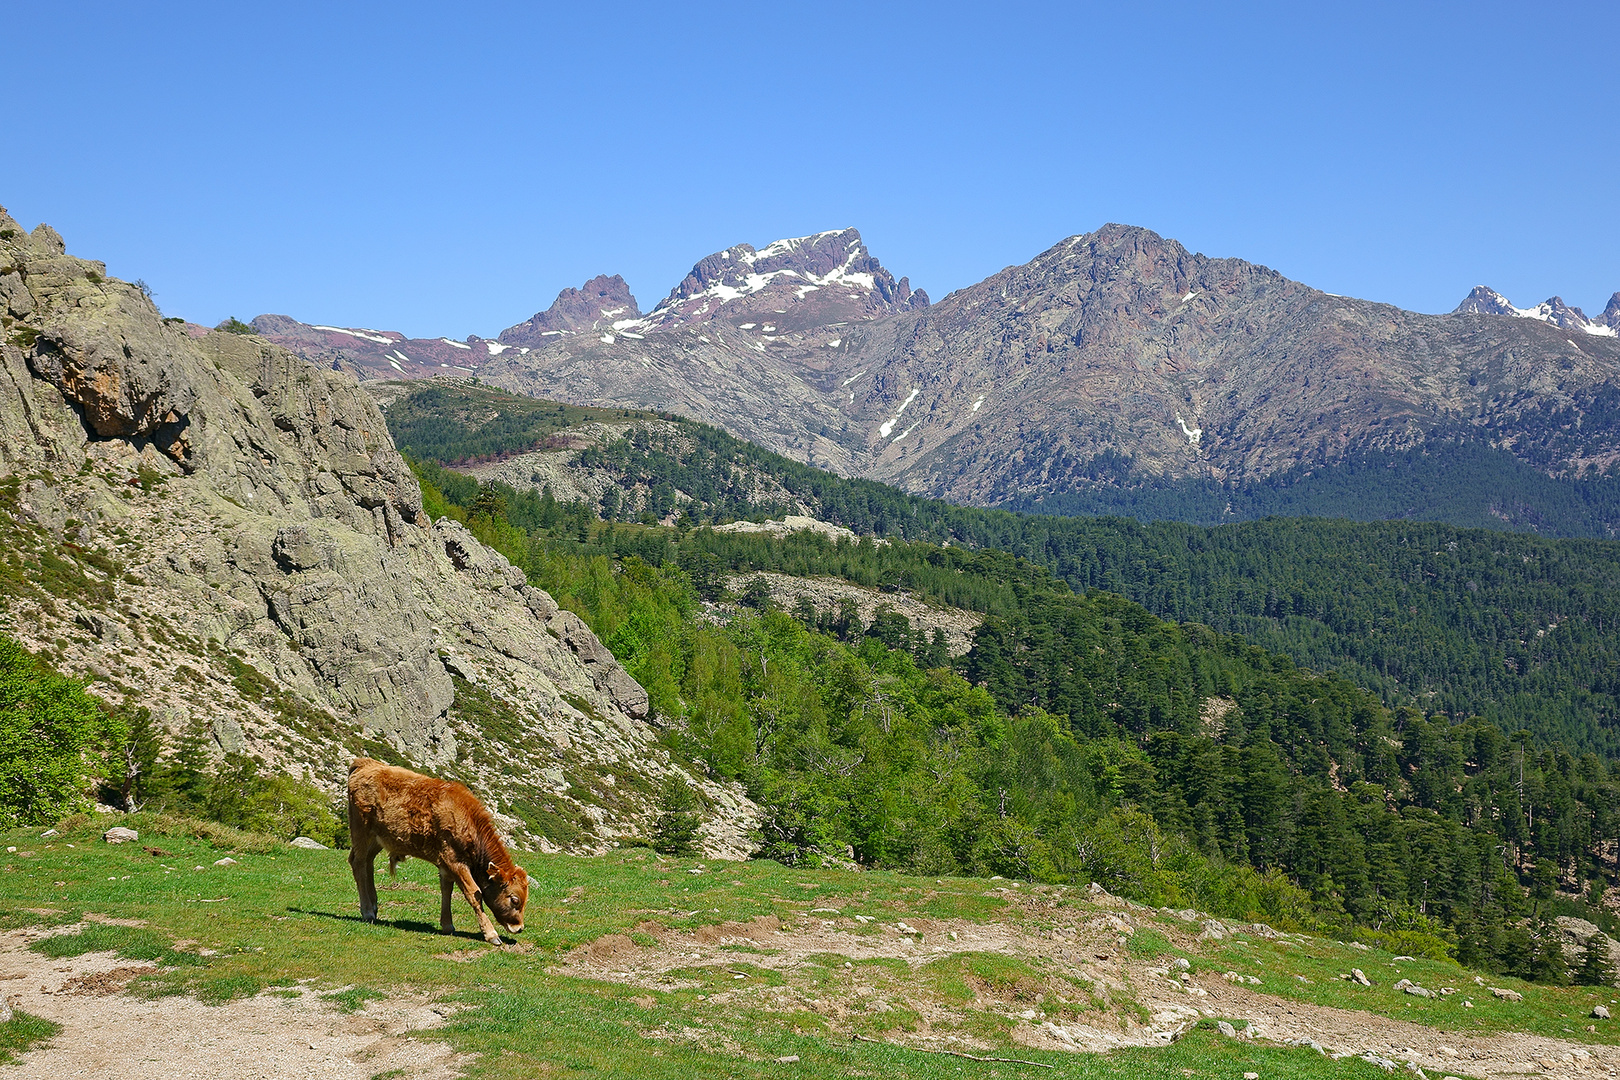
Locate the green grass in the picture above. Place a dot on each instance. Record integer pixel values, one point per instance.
(354, 998)
(284, 916)
(1149, 945)
(129, 942)
(23, 1032)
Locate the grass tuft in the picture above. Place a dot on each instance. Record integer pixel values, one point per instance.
(129, 942)
(354, 998)
(23, 1032)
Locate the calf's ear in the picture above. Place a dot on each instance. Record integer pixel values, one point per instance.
(492, 871)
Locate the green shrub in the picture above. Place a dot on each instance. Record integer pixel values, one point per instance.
(277, 804)
(233, 793)
(50, 730)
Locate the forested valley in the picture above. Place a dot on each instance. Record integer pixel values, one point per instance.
(1083, 737)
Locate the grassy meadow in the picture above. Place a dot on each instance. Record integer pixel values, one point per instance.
(282, 917)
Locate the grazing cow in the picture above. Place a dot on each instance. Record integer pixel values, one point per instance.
(414, 816)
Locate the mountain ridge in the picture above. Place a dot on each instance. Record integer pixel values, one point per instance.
(1111, 365)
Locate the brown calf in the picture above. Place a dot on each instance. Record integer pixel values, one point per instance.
(414, 816)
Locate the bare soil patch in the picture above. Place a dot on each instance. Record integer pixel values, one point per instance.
(293, 1033)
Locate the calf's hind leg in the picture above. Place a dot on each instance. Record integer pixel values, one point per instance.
(362, 855)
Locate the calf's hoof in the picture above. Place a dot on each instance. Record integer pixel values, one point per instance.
(495, 940)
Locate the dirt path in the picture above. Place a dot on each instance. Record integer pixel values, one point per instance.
(1089, 952)
(109, 1035)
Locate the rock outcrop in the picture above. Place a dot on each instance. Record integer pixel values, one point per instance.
(233, 541)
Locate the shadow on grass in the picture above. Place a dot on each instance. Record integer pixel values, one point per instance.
(412, 926)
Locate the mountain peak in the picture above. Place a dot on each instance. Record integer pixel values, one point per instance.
(1483, 300)
(814, 280)
(600, 302)
(1611, 314)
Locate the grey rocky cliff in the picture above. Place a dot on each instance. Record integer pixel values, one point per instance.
(247, 552)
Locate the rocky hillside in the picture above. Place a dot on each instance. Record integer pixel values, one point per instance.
(220, 531)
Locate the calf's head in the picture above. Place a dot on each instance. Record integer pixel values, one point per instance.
(506, 897)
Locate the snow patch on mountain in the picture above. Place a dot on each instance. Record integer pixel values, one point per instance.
(888, 425)
(369, 335)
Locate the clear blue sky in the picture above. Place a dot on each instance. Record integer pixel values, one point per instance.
(446, 168)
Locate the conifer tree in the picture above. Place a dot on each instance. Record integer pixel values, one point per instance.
(676, 831)
(1597, 968)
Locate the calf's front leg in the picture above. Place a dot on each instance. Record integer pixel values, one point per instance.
(469, 888)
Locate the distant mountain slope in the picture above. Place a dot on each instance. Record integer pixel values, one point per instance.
(1117, 370)
(1123, 345)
